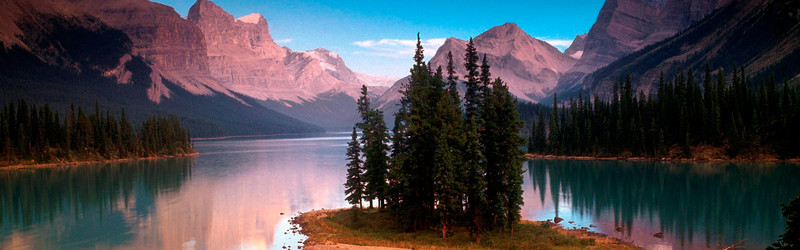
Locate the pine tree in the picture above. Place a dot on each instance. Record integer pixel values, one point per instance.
(5, 140)
(504, 170)
(452, 78)
(476, 184)
(419, 97)
(376, 163)
(554, 136)
(540, 132)
(354, 187)
(397, 176)
(448, 169)
(447, 188)
(472, 81)
(532, 138)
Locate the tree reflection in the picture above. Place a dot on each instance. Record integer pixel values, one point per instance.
(721, 200)
(33, 196)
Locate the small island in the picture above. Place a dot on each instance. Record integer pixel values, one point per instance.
(446, 177)
(32, 136)
(338, 229)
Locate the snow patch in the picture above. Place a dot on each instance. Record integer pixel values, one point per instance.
(253, 18)
(323, 59)
(577, 55)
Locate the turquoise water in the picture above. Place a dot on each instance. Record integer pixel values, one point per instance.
(241, 193)
(694, 205)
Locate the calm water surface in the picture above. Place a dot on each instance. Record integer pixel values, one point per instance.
(241, 193)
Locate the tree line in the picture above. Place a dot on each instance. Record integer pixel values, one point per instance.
(442, 165)
(744, 117)
(31, 134)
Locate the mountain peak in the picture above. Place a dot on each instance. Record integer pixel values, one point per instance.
(323, 51)
(507, 30)
(207, 9)
(254, 18)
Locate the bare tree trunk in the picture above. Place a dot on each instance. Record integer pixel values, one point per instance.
(444, 228)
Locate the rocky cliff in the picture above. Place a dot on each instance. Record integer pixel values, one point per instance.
(244, 58)
(174, 46)
(59, 53)
(575, 49)
(242, 55)
(625, 26)
(315, 85)
(761, 36)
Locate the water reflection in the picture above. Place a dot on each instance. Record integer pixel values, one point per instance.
(241, 193)
(695, 205)
(83, 206)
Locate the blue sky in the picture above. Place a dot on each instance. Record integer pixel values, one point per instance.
(376, 37)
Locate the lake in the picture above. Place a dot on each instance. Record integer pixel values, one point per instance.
(241, 193)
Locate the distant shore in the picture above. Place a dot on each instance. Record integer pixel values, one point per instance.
(653, 159)
(336, 229)
(78, 163)
(699, 154)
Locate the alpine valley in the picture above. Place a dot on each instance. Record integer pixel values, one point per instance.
(224, 75)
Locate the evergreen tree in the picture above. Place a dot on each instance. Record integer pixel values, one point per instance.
(452, 78)
(397, 176)
(39, 135)
(541, 139)
(471, 81)
(476, 184)
(791, 238)
(554, 136)
(449, 170)
(376, 163)
(532, 138)
(354, 187)
(510, 143)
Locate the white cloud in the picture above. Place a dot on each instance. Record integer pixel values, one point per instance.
(558, 43)
(287, 40)
(397, 48)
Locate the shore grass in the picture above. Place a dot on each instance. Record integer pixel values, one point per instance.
(372, 228)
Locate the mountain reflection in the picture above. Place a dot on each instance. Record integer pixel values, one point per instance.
(709, 201)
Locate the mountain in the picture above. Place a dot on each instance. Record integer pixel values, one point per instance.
(530, 67)
(242, 55)
(759, 35)
(315, 86)
(173, 45)
(625, 26)
(59, 52)
(575, 49)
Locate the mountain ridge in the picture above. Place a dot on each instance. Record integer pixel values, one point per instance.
(71, 56)
(758, 35)
(625, 26)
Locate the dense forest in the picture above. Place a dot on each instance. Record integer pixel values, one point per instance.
(31, 134)
(745, 118)
(443, 166)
